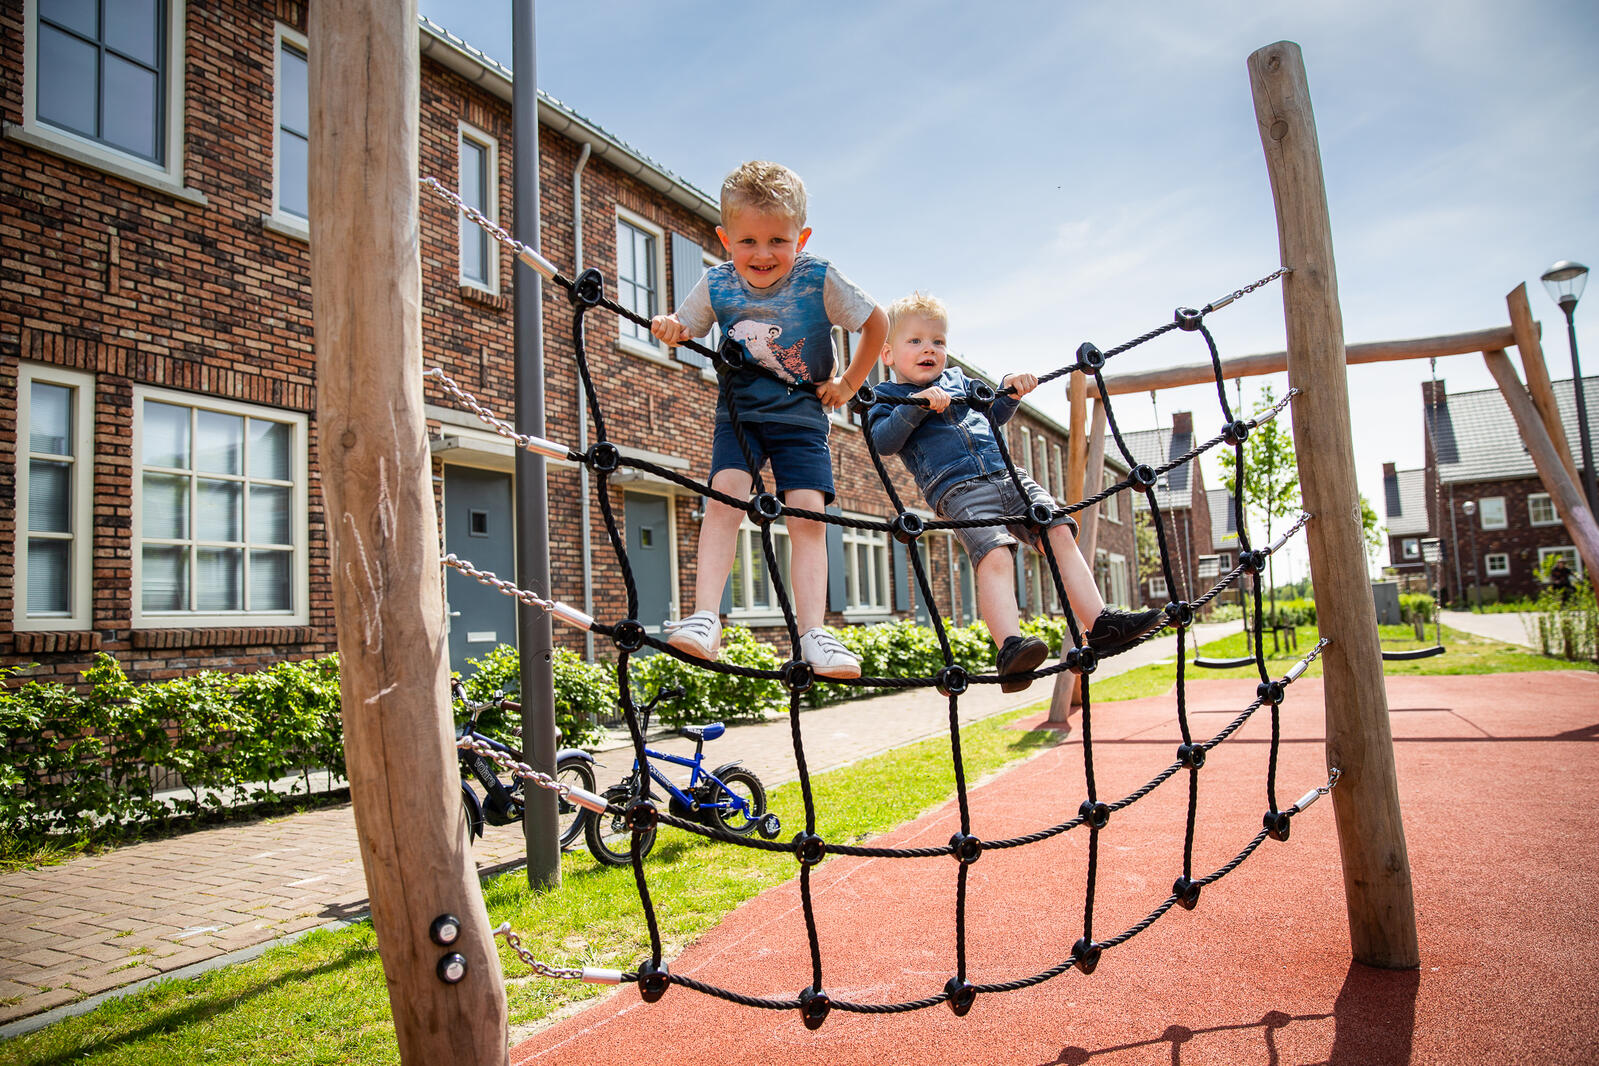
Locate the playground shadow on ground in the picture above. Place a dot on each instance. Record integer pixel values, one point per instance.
(1374, 1019)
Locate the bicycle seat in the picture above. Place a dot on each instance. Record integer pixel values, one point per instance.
(702, 733)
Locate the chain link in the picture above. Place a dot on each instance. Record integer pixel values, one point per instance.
(565, 613)
(543, 969)
(1246, 290)
(520, 250)
(512, 767)
(521, 440)
(1275, 409)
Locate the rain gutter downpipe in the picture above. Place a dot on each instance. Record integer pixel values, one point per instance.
(583, 407)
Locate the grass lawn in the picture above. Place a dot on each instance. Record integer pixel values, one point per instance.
(322, 999)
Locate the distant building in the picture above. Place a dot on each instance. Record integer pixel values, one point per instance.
(1407, 517)
(1185, 508)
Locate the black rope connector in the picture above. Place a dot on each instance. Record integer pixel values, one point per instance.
(589, 288)
(1181, 613)
(809, 848)
(1087, 660)
(1276, 823)
(1085, 954)
(1143, 475)
(979, 396)
(1040, 515)
(653, 980)
(814, 1006)
(1187, 892)
(628, 634)
(1089, 357)
(865, 396)
(730, 354)
(1072, 658)
(1235, 432)
(1270, 691)
(604, 457)
(642, 815)
(961, 994)
(1253, 562)
(1191, 755)
(906, 527)
(798, 675)
(1188, 319)
(968, 849)
(953, 680)
(1097, 815)
(766, 508)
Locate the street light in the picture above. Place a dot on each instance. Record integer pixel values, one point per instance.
(1564, 282)
(1470, 507)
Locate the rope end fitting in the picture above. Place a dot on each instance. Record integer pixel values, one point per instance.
(1188, 319)
(961, 994)
(814, 1007)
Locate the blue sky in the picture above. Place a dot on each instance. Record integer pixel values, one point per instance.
(1060, 172)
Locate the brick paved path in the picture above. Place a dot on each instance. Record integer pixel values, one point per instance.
(107, 921)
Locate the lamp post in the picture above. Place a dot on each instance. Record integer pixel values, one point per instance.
(1564, 282)
(1470, 509)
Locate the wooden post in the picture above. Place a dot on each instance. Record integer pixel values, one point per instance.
(383, 535)
(1068, 687)
(1538, 383)
(1568, 497)
(1371, 835)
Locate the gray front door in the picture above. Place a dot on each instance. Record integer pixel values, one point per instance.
(477, 528)
(649, 547)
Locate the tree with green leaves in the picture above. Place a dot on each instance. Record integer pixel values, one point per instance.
(1370, 530)
(1271, 477)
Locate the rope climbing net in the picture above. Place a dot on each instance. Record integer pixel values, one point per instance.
(605, 459)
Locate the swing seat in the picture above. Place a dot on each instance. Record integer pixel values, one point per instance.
(1414, 653)
(1225, 664)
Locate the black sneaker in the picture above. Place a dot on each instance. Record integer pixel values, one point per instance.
(1116, 631)
(1020, 655)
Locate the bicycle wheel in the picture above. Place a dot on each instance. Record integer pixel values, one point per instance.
(569, 816)
(742, 783)
(609, 839)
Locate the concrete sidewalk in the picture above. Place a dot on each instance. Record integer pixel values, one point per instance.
(1509, 627)
(102, 925)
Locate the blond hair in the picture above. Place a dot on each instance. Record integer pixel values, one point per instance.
(919, 305)
(764, 186)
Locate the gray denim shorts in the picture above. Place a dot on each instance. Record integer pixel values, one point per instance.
(991, 496)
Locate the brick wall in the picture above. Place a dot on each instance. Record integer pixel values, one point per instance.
(1520, 540)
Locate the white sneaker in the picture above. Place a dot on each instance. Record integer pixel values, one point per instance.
(699, 635)
(827, 656)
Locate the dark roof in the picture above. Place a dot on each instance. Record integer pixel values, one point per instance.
(1223, 530)
(1405, 499)
(1477, 438)
(1156, 447)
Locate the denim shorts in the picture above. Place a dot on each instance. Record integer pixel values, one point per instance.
(991, 496)
(799, 454)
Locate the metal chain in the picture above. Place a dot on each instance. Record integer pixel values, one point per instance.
(528, 255)
(543, 969)
(565, 612)
(512, 767)
(524, 441)
(1275, 409)
(1246, 290)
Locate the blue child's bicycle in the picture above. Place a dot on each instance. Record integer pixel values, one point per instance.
(730, 798)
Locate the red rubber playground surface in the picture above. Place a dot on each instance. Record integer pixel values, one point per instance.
(1499, 791)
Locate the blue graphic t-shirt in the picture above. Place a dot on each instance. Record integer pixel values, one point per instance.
(787, 329)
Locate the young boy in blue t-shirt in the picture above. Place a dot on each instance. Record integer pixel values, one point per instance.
(951, 452)
(781, 305)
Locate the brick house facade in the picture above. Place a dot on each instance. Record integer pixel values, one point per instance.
(1407, 520)
(1185, 508)
(158, 462)
(1474, 455)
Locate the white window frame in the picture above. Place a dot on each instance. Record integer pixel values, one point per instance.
(1498, 503)
(1117, 580)
(277, 219)
(1026, 449)
(299, 614)
(1110, 509)
(167, 177)
(81, 566)
(1496, 564)
(1568, 551)
(1532, 515)
(881, 566)
(746, 548)
(651, 349)
(840, 416)
(1410, 549)
(468, 133)
(1209, 566)
(713, 339)
(1157, 588)
(1060, 474)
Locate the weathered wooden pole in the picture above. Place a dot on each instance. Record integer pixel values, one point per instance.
(1564, 488)
(1371, 834)
(1067, 692)
(1539, 386)
(383, 536)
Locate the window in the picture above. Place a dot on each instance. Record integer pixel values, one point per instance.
(750, 582)
(1112, 509)
(1116, 580)
(1497, 564)
(640, 266)
(866, 569)
(1157, 588)
(220, 512)
(1410, 548)
(1209, 566)
(103, 85)
(1568, 553)
(1492, 509)
(291, 181)
(1041, 465)
(1026, 450)
(1059, 477)
(479, 174)
(55, 434)
(841, 353)
(1541, 510)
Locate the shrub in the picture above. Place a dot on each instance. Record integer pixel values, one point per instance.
(707, 694)
(585, 694)
(1416, 605)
